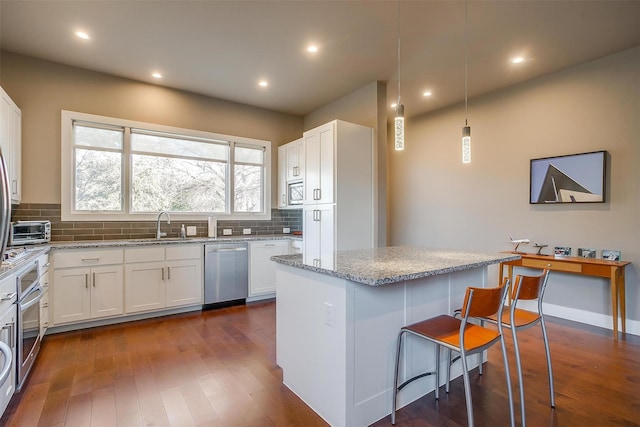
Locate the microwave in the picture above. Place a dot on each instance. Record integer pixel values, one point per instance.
(295, 193)
(29, 232)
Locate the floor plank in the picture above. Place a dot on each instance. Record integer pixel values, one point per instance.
(217, 369)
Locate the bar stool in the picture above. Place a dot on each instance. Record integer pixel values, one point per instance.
(526, 288)
(461, 336)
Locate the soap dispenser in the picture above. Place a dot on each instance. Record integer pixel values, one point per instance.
(183, 232)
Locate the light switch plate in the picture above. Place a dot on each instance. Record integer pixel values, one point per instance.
(246, 231)
(226, 231)
(191, 230)
(329, 314)
(286, 230)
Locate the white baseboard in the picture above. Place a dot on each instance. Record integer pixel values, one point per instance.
(582, 316)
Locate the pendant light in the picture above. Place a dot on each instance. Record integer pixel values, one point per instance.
(466, 129)
(399, 119)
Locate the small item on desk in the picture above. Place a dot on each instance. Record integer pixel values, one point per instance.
(518, 242)
(540, 248)
(562, 251)
(586, 252)
(610, 255)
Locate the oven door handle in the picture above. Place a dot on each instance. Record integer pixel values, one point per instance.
(8, 361)
(24, 304)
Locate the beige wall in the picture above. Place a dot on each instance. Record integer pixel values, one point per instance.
(41, 89)
(437, 201)
(365, 106)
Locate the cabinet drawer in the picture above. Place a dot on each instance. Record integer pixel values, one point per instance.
(184, 252)
(155, 253)
(82, 258)
(552, 264)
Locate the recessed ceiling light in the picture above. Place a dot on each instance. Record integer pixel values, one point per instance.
(82, 35)
(263, 83)
(312, 48)
(517, 60)
(427, 93)
(156, 75)
(394, 105)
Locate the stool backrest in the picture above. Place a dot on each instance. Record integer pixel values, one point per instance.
(484, 302)
(529, 287)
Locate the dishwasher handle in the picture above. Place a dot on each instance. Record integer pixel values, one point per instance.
(226, 249)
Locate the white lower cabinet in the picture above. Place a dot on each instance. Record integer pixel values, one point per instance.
(85, 293)
(262, 271)
(319, 235)
(160, 277)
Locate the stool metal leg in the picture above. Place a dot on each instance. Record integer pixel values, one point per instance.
(449, 362)
(508, 375)
(546, 348)
(516, 350)
(437, 390)
(395, 379)
(467, 388)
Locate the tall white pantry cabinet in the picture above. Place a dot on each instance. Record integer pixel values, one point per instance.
(340, 191)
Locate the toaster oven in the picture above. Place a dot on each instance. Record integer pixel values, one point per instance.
(29, 232)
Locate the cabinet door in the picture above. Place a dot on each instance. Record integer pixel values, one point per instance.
(282, 177)
(319, 164)
(107, 291)
(262, 271)
(71, 295)
(295, 160)
(15, 163)
(184, 282)
(7, 329)
(319, 232)
(145, 286)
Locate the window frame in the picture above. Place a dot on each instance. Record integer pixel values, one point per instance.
(69, 213)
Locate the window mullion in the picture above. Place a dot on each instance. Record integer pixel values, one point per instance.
(231, 193)
(126, 171)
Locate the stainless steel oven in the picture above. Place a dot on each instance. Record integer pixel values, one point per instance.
(295, 193)
(29, 232)
(29, 295)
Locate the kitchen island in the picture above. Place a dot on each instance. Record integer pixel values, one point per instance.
(337, 327)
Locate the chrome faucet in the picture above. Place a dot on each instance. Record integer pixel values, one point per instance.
(160, 234)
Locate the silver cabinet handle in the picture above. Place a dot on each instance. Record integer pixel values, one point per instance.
(91, 259)
(94, 280)
(269, 244)
(316, 215)
(86, 280)
(47, 264)
(284, 199)
(12, 337)
(8, 296)
(168, 273)
(163, 274)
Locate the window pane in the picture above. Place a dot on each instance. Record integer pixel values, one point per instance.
(97, 137)
(179, 147)
(248, 188)
(177, 185)
(249, 155)
(98, 180)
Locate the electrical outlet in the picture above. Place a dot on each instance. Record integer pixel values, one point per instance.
(286, 230)
(329, 314)
(191, 230)
(246, 231)
(227, 231)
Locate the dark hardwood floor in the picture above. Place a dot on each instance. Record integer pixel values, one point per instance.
(217, 368)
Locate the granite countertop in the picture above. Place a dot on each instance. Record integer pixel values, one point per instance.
(96, 244)
(386, 265)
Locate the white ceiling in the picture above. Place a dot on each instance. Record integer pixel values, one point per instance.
(222, 48)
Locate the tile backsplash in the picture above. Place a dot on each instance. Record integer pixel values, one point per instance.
(114, 230)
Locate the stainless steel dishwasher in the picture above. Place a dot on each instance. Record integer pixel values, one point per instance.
(226, 274)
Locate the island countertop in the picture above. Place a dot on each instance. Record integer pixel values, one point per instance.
(392, 264)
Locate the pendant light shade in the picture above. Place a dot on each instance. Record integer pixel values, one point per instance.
(466, 144)
(399, 127)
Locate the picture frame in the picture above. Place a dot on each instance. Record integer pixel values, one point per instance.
(562, 251)
(587, 252)
(611, 255)
(572, 178)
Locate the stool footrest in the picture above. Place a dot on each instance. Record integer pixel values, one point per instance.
(412, 379)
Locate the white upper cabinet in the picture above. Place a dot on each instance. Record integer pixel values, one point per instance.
(319, 164)
(282, 176)
(295, 160)
(11, 143)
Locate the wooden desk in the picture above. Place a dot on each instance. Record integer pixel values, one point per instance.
(612, 270)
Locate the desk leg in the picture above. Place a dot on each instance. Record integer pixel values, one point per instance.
(622, 301)
(614, 302)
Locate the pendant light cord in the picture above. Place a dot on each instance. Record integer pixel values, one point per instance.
(466, 62)
(398, 28)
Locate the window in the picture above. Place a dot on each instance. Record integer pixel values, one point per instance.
(115, 169)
